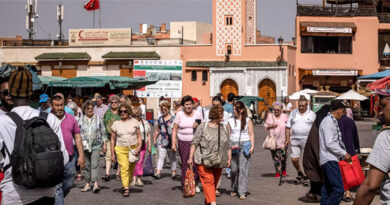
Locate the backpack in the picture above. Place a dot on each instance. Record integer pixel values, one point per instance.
(36, 160)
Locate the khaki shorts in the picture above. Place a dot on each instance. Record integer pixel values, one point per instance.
(297, 147)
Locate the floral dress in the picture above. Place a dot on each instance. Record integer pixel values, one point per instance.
(92, 131)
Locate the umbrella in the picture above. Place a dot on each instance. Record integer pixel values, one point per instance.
(379, 84)
(247, 100)
(351, 95)
(305, 92)
(386, 51)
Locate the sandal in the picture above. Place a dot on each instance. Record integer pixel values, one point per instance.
(217, 193)
(126, 193)
(85, 189)
(243, 197)
(96, 189)
(106, 178)
(118, 177)
(233, 194)
(298, 180)
(79, 177)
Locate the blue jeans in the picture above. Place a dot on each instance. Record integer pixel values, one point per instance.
(64, 188)
(333, 189)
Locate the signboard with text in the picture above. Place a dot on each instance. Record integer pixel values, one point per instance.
(96, 37)
(167, 72)
(335, 72)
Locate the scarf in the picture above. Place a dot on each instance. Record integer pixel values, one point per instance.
(335, 122)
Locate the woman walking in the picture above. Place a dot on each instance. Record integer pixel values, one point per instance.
(183, 130)
(310, 160)
(125, 136)
(146, 143)
(275, 125)
(211, 138)
(110, 117)
(242, 143)
(91, 131)
(164, 142)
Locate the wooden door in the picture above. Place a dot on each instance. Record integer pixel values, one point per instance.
(229, 86)
(65, 73)
(267, 90)
(126, 71)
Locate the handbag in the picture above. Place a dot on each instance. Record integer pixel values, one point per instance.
(212, 159)
(189, 183)
(166, 143)
(351, 173)
(133, 156)
(270, 140)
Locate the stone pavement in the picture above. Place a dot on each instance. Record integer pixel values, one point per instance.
(262, 186)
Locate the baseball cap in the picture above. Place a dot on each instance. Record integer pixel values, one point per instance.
(195, 100)
(43, 98)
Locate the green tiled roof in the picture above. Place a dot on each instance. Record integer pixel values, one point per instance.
(131, 55)
(63, 56)
(235, 64)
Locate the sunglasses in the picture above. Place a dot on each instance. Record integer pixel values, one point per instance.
(5, 93)
(276, 109)
(115, 102)
(122, 111)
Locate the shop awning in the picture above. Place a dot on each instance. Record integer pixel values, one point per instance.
(377, 75)
(63, 56)
(313, 28)
(209, 64)
(130, 55)
(114, 82)
(382, 83)
(47, 79)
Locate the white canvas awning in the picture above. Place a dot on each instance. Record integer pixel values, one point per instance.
(351, 95)
(305, 92)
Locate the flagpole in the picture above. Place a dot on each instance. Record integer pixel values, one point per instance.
(100, 11)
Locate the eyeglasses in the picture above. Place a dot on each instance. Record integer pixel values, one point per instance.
(5, 92)
(122, 111)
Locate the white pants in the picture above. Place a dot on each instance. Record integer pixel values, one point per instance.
(162, 153)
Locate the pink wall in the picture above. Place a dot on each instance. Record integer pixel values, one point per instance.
(364, 47)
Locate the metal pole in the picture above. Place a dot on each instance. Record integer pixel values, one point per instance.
(100, 11)
(30, 23)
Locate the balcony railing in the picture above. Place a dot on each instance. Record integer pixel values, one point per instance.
(384, 18)
(319, 10)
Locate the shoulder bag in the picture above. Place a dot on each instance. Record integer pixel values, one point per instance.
(270, 140)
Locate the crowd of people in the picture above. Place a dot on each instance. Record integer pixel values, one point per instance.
(204, 140)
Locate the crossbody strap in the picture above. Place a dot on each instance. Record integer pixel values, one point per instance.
(219, 136)
(166, 127)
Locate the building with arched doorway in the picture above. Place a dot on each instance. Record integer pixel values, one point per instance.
(233, 61)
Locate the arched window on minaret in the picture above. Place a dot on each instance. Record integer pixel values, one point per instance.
(229, 50)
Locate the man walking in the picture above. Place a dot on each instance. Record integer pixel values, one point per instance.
(5, 98)
(228, 107)
(299, 124)
(332, 150)
(70, 131)
(20, 90)
(100, 108)
(378, 176)
(44, 102)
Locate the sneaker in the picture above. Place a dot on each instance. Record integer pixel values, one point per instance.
(284, 173)
(228, 175)
(277, 175)
(197, 189)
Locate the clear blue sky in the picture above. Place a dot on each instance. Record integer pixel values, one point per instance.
(275, 17)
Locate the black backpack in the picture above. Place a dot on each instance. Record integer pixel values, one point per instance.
(37, 160)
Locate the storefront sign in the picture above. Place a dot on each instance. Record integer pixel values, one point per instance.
(94, 37)
(328, 30)
(167, 72)
(335, 72)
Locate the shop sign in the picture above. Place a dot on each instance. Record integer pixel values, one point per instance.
(96, 37)
(335, 72)
(328, 30)
(167, 72)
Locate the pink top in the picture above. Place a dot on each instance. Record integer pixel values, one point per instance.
(280, 130)
(186, 125)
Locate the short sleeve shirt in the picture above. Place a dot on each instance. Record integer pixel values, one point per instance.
(126, 132)
(300, 124)
(380, 158)
(69, 127)
(186, 125)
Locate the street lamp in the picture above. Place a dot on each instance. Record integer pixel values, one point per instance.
(280, 42)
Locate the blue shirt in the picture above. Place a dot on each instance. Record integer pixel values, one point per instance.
(228, 107)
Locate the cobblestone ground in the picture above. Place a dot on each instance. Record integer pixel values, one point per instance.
(262, 187)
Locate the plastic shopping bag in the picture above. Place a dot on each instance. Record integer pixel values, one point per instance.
(351, 172)
(148, 168)
(189, 183)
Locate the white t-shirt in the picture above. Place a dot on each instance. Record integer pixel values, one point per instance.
(300, 124)
(143, 109)
(226, 117)
(235, 127)
(2, 112)
(288, 107)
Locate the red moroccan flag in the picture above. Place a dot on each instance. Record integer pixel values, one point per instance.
(92, 5)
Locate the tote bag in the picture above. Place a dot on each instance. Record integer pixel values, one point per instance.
(189, 183)
(351, 172)
(148, 168)
(270, 140)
